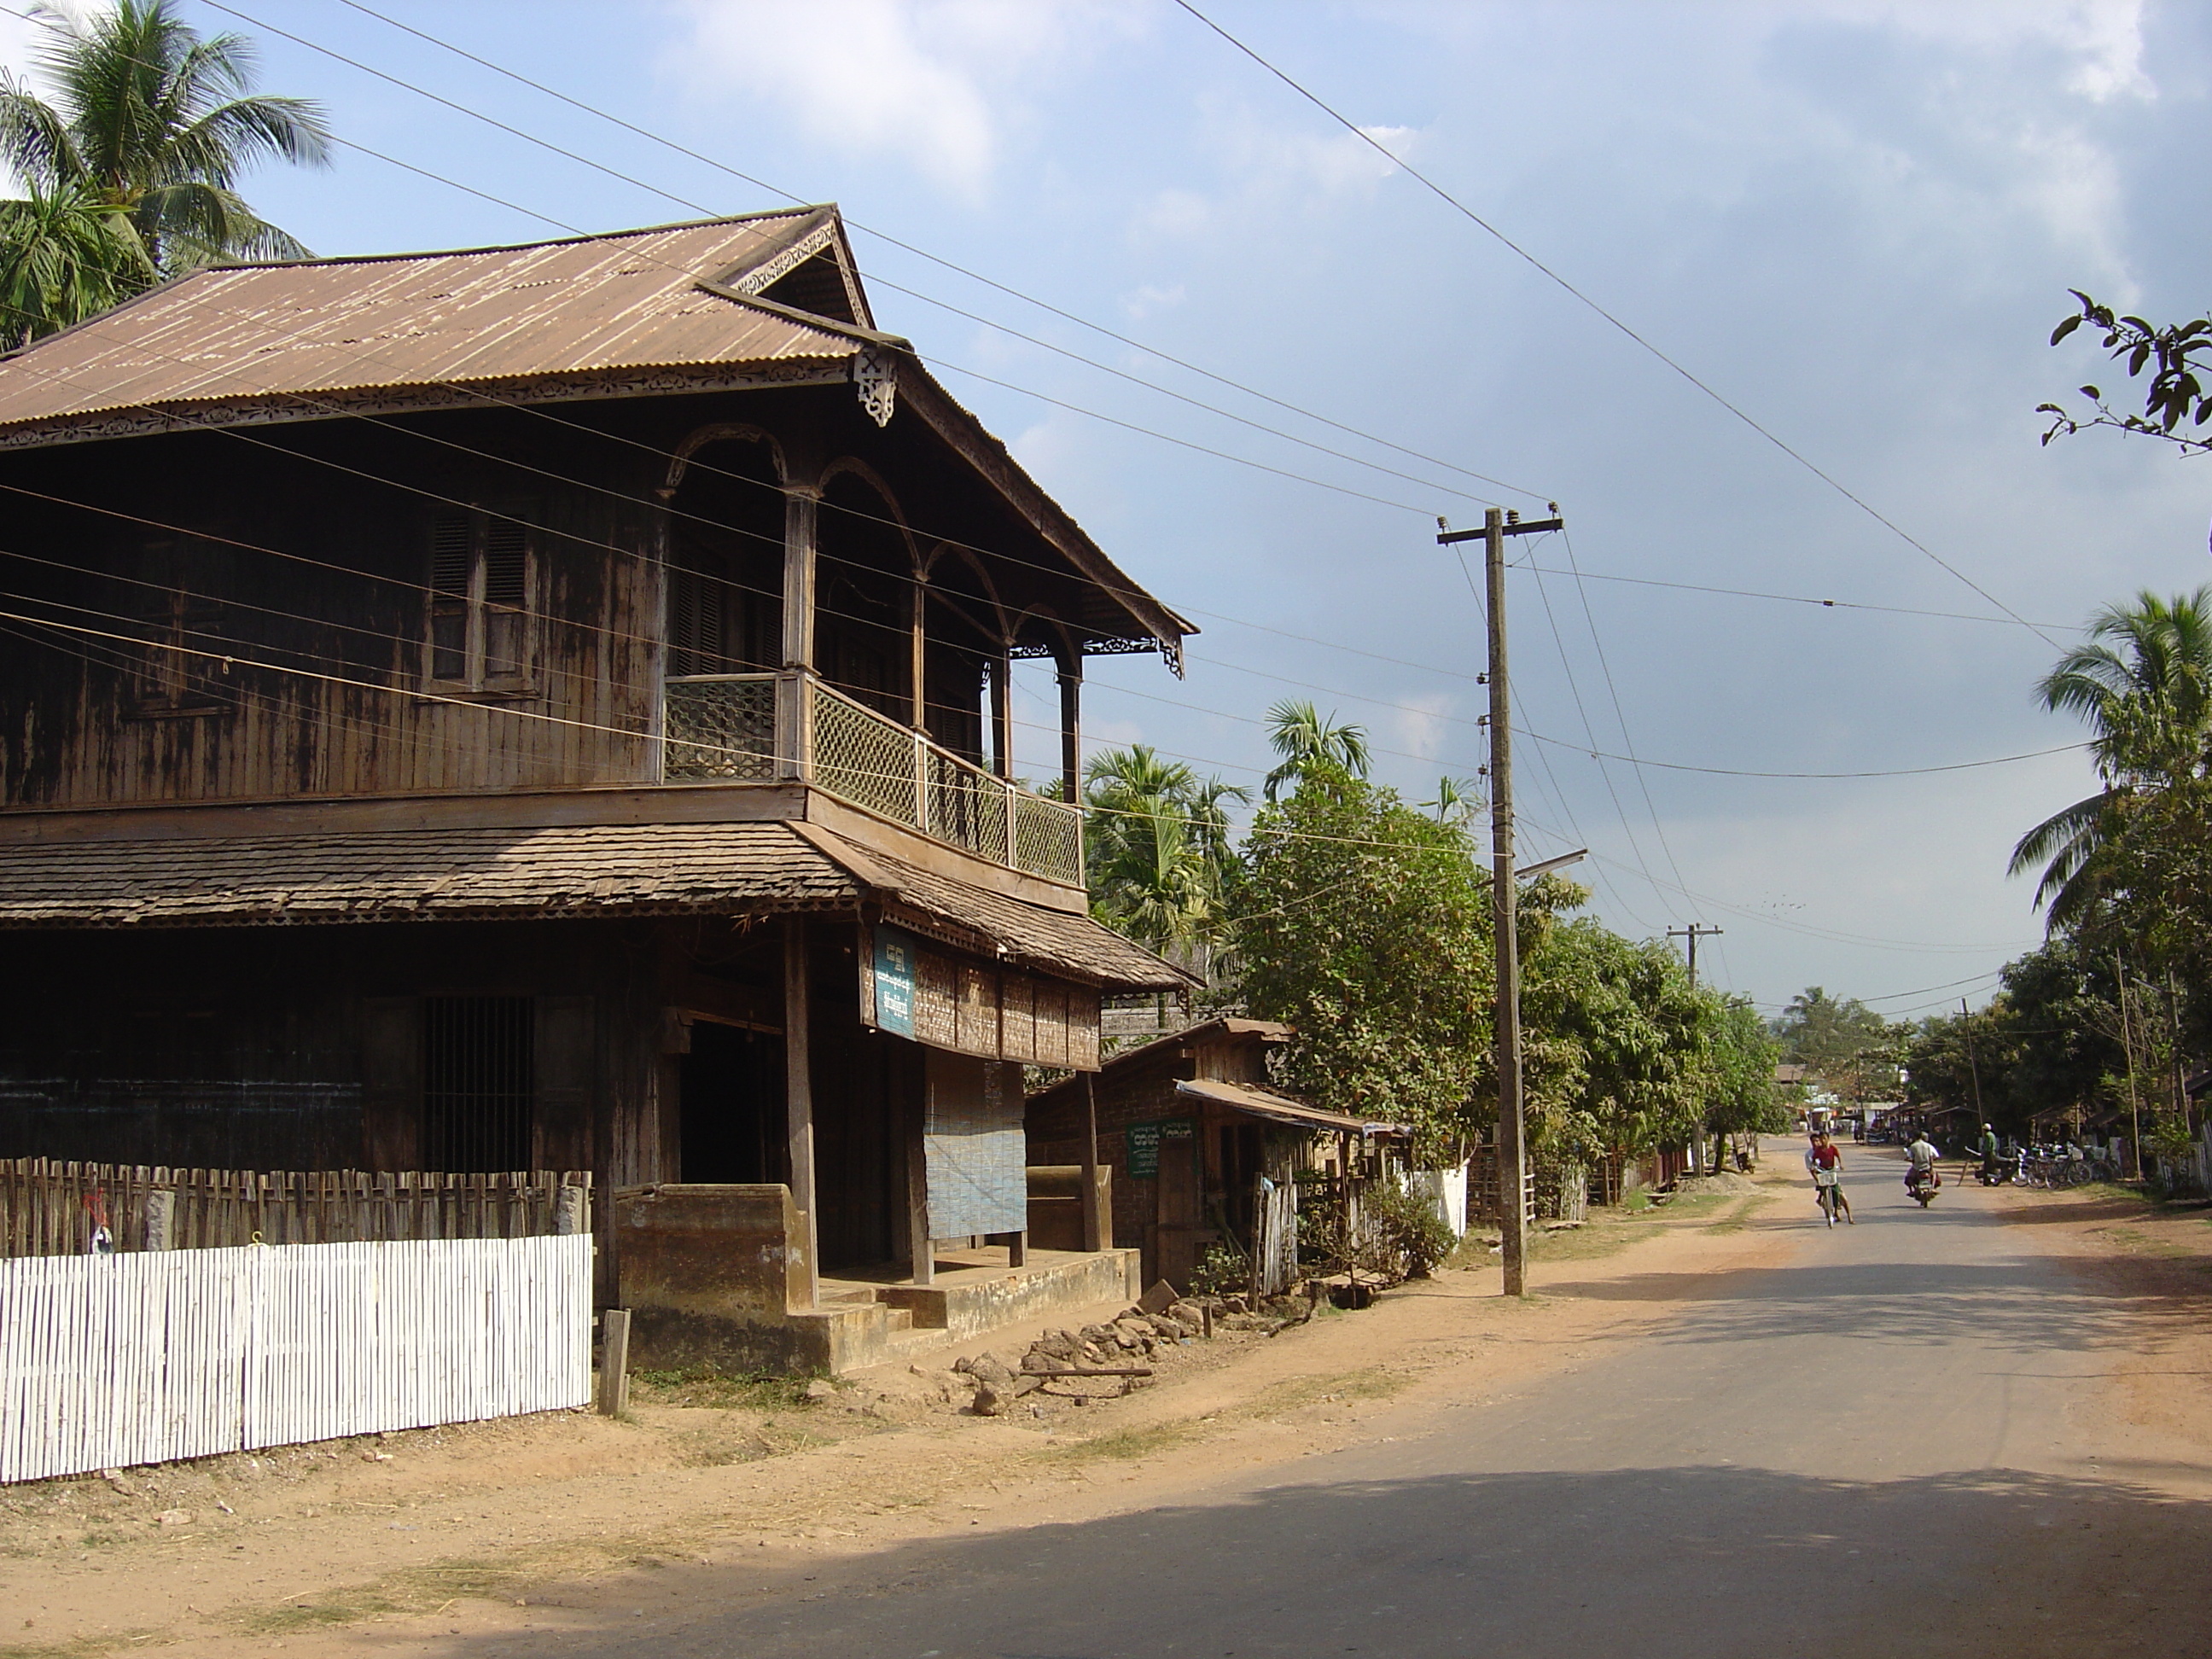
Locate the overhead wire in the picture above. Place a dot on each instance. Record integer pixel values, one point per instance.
(955, 268)
(702, 208)
(21, 364)
(1644, 343)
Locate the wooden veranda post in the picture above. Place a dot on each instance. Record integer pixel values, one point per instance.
(798, 1098)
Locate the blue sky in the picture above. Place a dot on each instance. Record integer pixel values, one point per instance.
(1855, 220)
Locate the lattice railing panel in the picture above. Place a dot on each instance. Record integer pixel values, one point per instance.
(966, 806)
(1047, 839)
(864, 758)
(720, 726)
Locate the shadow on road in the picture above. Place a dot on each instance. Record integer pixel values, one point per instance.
(1710, 1561)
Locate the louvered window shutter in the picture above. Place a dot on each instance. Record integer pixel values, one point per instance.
(452, 543)
(505, 600)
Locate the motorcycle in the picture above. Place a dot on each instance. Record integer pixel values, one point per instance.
(2002, 1171)
(1923, 1185)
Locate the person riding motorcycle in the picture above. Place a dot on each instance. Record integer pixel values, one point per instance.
(1920, 1163)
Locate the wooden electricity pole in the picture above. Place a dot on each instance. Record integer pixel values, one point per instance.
(1694, 931)
(1512, 1150)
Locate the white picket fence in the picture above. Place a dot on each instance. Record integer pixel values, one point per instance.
(111, 1360)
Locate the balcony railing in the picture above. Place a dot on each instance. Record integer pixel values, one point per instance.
(724, 728)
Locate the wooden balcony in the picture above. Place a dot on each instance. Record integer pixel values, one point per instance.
(764, 728)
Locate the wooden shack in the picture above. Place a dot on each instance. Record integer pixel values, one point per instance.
(1200, 1145)
(547, 707)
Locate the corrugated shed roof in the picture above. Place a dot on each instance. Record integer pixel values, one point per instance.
(1280, 1108)
(570, 871)
(632, 300)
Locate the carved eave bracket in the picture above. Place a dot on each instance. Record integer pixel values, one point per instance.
(875, 374)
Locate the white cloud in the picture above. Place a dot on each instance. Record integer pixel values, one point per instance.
(936, 82)
(1152, 298)
(2103, 38)
(1418, 723)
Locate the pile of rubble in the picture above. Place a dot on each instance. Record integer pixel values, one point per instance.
(1121, 1350)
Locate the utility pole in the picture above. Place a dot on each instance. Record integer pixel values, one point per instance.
(2128, 1042)
(1693, 932)
(1512, 1149)
(1973, 1069)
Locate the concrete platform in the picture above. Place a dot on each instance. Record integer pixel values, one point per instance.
(976, 1293)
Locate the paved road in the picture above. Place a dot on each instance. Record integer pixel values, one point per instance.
(1891, 1443)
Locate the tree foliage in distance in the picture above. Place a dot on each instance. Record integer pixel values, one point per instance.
(1626, 1056)
(1365, 923)
(1159, 843)
(1849, 1046)
(1308, 741)
(147, 119)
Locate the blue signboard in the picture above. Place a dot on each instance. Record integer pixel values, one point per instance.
(895, 963)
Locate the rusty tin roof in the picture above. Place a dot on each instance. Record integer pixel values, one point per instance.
(672, 298)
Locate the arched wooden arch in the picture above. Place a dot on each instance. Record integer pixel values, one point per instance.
(722, 432)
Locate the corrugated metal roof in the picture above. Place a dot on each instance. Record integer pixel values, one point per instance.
(632, 300)
(1278, 1108)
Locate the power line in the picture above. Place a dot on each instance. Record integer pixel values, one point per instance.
(667, 195)
(1801, 599)
(1453, 202)
(958, 269)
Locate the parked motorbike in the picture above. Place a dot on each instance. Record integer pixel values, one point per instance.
(1922, 1184)
(2003, 1171)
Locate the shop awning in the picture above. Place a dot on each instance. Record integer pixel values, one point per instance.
(1279, 1109)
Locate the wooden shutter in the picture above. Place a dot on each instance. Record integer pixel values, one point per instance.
(391, 1082)
(566, 1068)
(452, 543)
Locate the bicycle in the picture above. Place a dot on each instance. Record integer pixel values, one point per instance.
(1824, 1189)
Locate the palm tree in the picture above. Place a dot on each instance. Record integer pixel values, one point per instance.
(152, 120)
(62, 257)
(2142, 680)
(1307, 742)
(1160, 846)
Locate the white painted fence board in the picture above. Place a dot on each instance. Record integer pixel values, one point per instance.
(106, 1361)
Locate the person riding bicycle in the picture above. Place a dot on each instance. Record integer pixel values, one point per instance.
(1920, 1163)
(1988, 1147)
(1824, 1162)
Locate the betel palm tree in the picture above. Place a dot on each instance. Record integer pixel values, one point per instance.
(1159, 841)
(62, 257)
(2142, 680)
(149, 117)
(1299, 733)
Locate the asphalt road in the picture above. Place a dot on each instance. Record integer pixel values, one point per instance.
(1891, 1443)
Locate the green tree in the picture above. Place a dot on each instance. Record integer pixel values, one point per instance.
(1844, 1043)
(64, 256)
(1158, 843)
(1737, 1062)
(2142, 682)
(1365, 924)
(147, 117)
(1307, 741)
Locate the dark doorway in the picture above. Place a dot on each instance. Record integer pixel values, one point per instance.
(732, 1114)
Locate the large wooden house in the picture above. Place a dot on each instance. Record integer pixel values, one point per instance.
(544, 706)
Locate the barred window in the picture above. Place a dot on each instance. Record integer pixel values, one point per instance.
(479, 1081)
(480, 632)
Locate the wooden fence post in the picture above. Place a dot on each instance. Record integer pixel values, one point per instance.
(614, 1362)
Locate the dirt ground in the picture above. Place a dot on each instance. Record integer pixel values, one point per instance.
(536, 1523)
